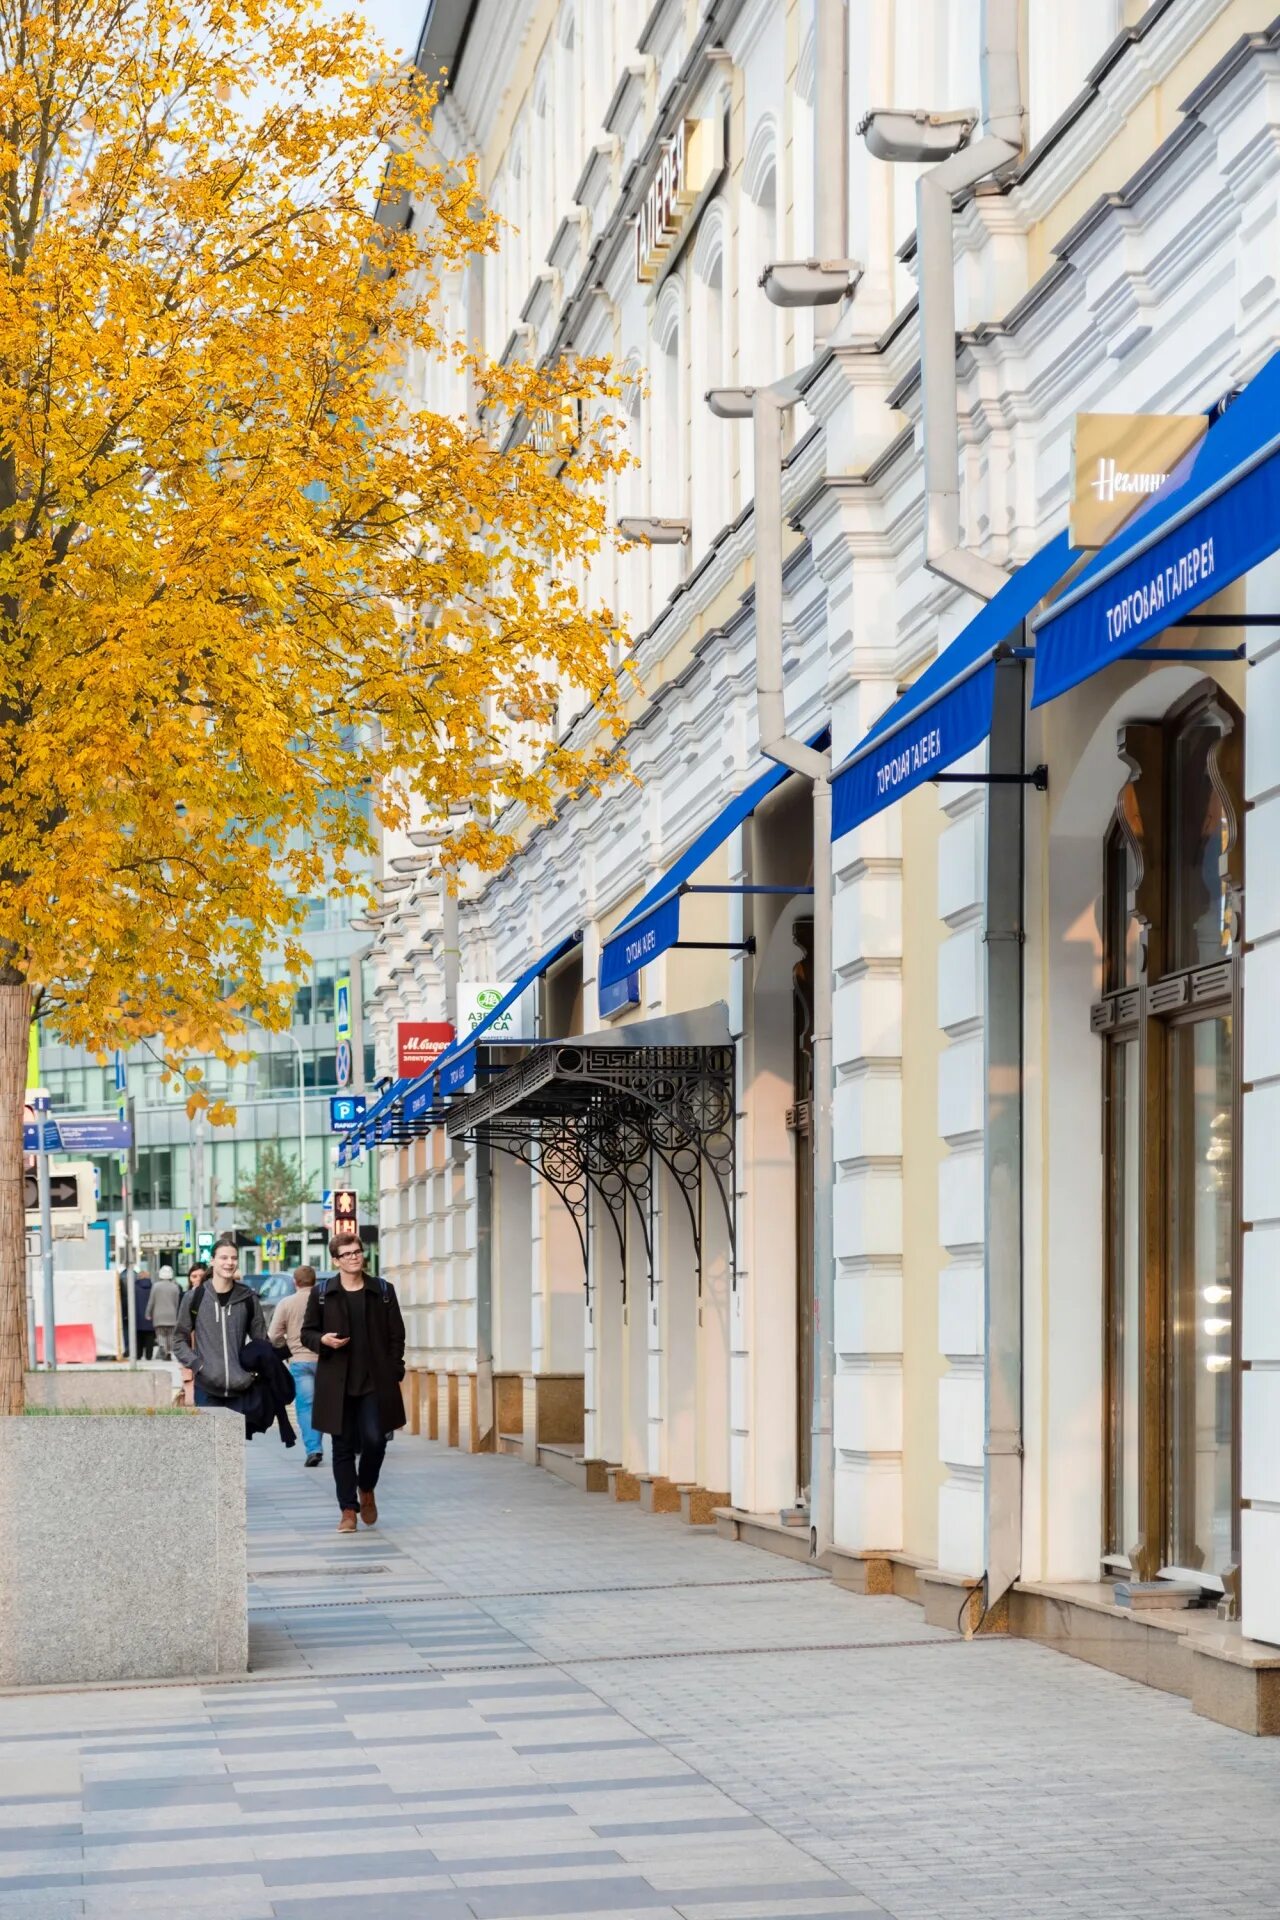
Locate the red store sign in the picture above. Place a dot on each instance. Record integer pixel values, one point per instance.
(419, 1043)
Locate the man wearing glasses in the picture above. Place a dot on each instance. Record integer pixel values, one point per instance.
(357, 1335)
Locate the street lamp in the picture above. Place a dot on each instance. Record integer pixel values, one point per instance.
(655, 532)
(296, 1044)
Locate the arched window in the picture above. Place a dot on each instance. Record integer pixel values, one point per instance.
(760, 326)
(569, 153)
(668, 449)
(631, 496)
(1170, 1022)
(714, 448)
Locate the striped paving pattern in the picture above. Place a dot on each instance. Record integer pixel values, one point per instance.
(511, 1700)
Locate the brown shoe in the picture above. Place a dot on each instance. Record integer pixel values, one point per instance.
(347, 1524)
(368, 1508)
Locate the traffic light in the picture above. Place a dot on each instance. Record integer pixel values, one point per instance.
(64, 1191)
(344, 1210)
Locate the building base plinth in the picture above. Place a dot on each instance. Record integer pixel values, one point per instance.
(657, 1494)
(698, 1506)
(553, 1412)
(1189, 1652)
(623, 1485)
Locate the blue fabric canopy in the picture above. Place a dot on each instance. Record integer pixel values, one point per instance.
(653, 924)
(456, 1066)
(1189, 542)
(946, 713)
(450, 1071)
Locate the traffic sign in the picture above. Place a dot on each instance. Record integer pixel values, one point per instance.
(273, 1247)
(342, 1008)
(342, 1063)
(346, 1108)
(77, 1133)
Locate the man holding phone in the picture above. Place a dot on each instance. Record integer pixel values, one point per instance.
(356, 1332)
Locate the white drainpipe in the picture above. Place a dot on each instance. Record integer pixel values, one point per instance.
(901, 136)
(921, 136)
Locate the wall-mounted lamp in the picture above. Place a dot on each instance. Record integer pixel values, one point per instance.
(731, 403)
(905, 134)
(655, 533)
(810, 283)
(410, 862)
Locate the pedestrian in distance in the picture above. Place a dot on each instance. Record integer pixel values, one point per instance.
(166, 1297)
(185, 1394)
(142, 1315)
(214, 1321)
(355, 1330)
(285, 1332)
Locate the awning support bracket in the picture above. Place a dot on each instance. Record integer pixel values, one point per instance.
(718, 946)
(1038, 777)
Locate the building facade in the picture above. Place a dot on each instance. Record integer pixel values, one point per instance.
(187, 1176)
(1053, 1325)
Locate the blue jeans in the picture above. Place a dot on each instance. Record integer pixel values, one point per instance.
(304, 1382)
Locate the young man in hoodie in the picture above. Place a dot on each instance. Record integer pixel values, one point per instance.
(214, 1322)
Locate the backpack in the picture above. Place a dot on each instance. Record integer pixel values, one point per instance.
(322, 1285)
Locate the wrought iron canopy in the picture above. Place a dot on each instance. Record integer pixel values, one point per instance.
(589, 1119)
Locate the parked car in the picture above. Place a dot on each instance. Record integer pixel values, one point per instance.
(271, 1288)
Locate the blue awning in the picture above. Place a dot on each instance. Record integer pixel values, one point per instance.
(653, 925)
(1190, 541)
(456, 1066)
(365, 1131)
(946, 713)
(410, 1105)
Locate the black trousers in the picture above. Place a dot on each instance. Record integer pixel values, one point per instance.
(358, 1449)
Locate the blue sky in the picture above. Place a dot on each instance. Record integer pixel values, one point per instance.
(398, 21)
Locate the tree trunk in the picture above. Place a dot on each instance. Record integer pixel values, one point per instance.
(15, 1033)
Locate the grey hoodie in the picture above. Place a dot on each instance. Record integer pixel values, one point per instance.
(223, 1323)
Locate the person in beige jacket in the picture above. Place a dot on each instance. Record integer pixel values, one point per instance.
(285, 1332)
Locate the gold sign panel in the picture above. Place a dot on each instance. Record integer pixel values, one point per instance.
(689, 163)
(1118, 460)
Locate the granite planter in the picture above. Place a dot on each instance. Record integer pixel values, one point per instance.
(123, 1547)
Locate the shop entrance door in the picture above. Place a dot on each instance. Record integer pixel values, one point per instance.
(1170, 1022)
(1201, 1315)
(801, 1124)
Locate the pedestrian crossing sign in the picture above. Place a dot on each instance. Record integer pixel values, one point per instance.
(342, 1008)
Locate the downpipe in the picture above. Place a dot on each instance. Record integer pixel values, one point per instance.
(916, 138)
(1003, 1045)
(1002, 141)
(770, 403)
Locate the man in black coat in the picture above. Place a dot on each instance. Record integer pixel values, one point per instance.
(357, 1335)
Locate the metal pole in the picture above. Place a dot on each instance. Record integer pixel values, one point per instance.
(197, 1183)
(41, 1105)
(31, 1309)
(302, 1145)
(130, 1302)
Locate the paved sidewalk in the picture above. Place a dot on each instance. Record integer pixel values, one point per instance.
(511, 1700)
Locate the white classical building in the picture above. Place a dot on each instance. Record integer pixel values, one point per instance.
(1052, 1308)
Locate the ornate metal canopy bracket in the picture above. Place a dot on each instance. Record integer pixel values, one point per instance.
(600, 1114)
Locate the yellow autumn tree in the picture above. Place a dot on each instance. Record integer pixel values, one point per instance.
(244, 586)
